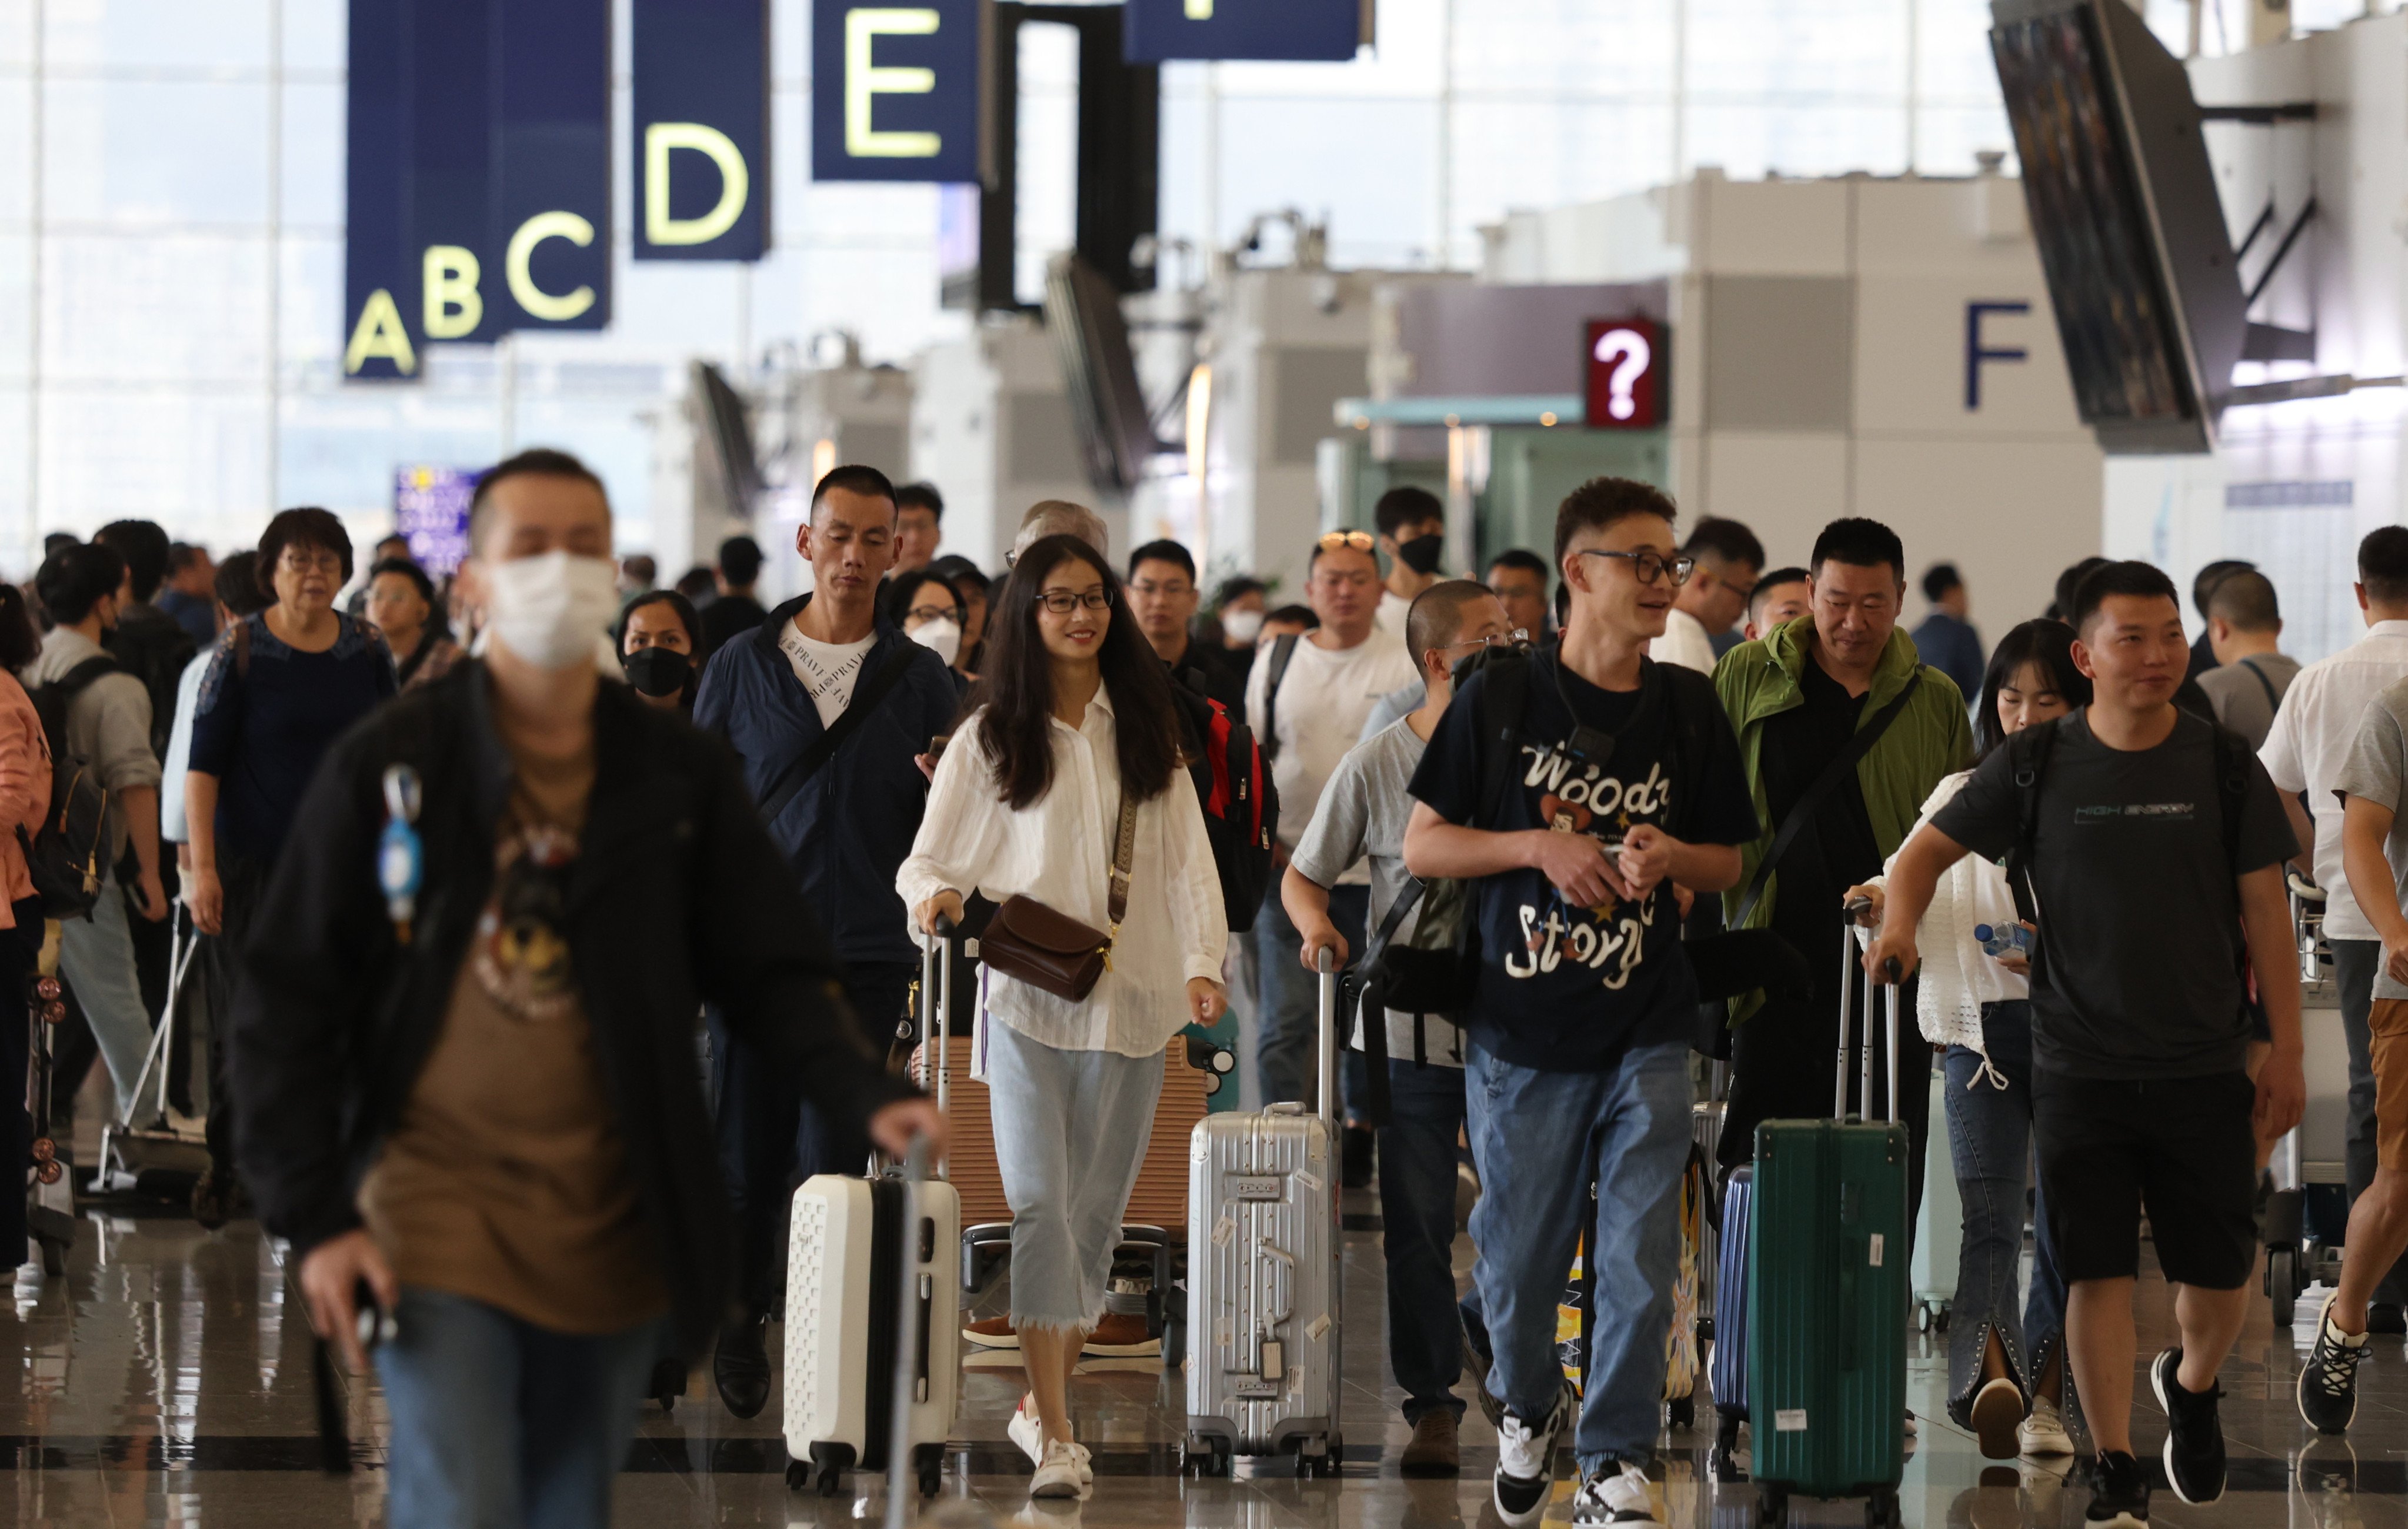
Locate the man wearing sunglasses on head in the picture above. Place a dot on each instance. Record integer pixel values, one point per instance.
(1845, 730)
(1306, 701)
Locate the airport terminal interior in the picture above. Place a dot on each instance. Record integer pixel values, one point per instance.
(775, 335)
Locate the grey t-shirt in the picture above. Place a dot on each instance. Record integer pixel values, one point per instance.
(2376, 768)
(2138, 973)
(1362, 814)
(2246, 693)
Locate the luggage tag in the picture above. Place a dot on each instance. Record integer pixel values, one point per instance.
(401, 857)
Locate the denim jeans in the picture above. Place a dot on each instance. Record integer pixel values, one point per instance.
(2355, 964)
(1540, 1139)
(1289, 1066)
(1418, 1213)
(498, 1422)
(96, 957)
(1989, 1138)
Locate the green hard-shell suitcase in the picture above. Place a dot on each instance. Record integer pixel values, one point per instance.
(1828, 1296)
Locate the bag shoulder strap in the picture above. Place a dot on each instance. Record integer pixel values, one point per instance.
(1802, 811)
(1504, 701)
(2028, 754)
(1124, 851)
(1394, 921)
(824, 748)
(2233, 756)
(2273, 701)
(1282, 652)
(72, 683)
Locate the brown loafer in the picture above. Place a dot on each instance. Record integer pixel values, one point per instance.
(1433, 1451)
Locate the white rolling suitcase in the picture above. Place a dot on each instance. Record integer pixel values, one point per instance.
(873, 1322)
(1263, 1282)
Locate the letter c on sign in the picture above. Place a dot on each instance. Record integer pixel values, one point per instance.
(734, 182)
(538, 302)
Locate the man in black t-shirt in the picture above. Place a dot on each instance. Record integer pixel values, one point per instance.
(1622, 778)
(2154, 859)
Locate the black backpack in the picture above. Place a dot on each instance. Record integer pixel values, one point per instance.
(1233, 785)
(69, 855)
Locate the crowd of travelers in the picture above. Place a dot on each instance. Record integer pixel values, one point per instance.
(471, 858)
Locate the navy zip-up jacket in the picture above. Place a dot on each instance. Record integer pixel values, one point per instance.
(848, 831)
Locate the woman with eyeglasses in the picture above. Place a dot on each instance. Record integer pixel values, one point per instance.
(924, 606)
(1073, 752)
(282, 686)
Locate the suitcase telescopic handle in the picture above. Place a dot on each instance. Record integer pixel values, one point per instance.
(1326, 1035)
(909, 1337)
(1890, 991)
(1848, 980)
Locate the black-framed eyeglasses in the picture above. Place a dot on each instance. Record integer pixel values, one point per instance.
(1362, 541)
(931, 613)
(1062, 602)
(1650, 564)
(1515, 638)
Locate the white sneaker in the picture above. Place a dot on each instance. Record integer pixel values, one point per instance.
(1614, 1496)
(1025, 1431)
(1526, 1465)
(1086, 1462)
(2044, 1433)
(29, 1279)
(1057, 1474)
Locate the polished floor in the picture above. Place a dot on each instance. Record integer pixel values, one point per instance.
(166, 1378)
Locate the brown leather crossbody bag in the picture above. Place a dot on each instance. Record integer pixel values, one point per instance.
(1051, 950)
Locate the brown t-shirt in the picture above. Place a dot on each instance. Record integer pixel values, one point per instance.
(506, 1180)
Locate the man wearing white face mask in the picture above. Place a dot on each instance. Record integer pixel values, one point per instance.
(829, 704)
(461, 1063)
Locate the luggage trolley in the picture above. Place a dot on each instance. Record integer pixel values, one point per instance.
(126, 1152)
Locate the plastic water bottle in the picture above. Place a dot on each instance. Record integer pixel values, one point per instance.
(1998, 939)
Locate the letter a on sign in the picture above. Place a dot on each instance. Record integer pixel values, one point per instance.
(896, 90)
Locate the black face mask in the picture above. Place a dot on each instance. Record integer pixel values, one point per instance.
(658, 671)
(1421, 554)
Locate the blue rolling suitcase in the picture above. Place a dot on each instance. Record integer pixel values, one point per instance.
(1728, 1372)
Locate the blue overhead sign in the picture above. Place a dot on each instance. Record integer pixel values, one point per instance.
(895, 91)
(1159, 31)
(479, 181)
(701, 147)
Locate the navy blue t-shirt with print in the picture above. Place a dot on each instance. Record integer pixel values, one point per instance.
(263, 732)
(1566, 989)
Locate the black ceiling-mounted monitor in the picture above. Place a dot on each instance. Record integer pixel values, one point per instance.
(724, 457)
(2123, 207)
(1082, 313)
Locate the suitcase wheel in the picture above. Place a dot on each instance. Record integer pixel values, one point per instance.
(831, 1481)
(932, 1476)
(54, 1259)
(798, 1475)
(2283, 1283)
(1681, 1411)
(1882, 1509)
(1771, 1507)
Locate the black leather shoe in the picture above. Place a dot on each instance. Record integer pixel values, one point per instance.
(741, 1367)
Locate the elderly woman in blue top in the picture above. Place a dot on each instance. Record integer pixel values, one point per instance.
(282, 686)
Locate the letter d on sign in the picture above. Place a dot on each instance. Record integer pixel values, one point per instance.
(864, 81)
(734, 182)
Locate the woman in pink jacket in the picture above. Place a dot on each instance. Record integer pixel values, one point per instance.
(24, 797)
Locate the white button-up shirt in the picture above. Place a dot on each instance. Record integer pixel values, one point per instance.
(2314, 729)
(1060, 852)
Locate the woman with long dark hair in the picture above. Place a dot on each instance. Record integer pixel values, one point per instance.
(1072, 749)
(2006, 1370)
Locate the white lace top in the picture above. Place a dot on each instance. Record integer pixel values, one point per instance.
(1957, 978)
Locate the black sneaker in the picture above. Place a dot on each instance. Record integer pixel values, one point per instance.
(2329, 1380)
(2194, 1454)
(1525, 1464)
(2119, 1493)
(2387, 1317)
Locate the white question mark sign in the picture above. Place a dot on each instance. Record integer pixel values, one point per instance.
(1636, 353)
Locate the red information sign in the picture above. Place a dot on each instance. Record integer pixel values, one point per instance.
(1626, 356)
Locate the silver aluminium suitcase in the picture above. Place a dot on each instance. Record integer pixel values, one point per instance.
(873, 1322)
(1263, 1322)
